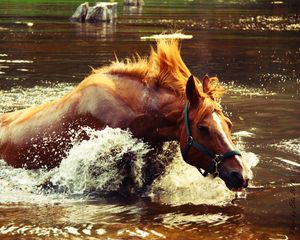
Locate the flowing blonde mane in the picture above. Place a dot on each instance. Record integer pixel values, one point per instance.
(164, 67)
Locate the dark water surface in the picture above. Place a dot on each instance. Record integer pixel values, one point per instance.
(252, 46)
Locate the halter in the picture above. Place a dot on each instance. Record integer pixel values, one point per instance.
(216, 158)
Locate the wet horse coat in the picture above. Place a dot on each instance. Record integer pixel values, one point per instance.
(120, 95)
(145, 95)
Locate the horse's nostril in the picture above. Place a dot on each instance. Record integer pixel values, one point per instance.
(237, 176)
(234, 180)
(237, 179)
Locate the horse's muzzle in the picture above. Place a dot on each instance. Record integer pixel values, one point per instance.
(234, 180)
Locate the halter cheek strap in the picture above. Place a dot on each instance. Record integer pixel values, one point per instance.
(216, 158)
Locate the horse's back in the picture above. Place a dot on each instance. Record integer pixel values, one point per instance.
(96, 102)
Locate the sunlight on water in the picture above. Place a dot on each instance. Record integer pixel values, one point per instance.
(257, 23)
(270, 23)
(19, 98)
(241, 134)
(167, 36)
(77, 232)
(34, 230)
(291, 164)
(177, 220)
(15, 61)
(289, 145)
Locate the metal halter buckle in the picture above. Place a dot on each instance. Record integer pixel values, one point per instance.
(190, 140)
(217, 160)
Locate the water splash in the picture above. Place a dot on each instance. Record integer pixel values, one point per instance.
(183, 184)
(112, 160)
(19, 98)
(101, 163)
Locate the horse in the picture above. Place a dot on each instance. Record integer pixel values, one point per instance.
(155, 97)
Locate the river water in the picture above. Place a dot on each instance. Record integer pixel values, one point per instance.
(252, 46)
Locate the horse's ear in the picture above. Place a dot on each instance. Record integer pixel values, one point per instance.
(191, 91)
(206, 84)
(212, 87)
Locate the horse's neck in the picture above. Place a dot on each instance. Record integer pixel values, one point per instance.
(124, 101)
(160, 119)
(171, 113)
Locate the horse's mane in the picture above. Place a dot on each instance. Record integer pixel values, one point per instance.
(164, 67)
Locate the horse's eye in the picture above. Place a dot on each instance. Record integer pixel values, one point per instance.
(203, 129)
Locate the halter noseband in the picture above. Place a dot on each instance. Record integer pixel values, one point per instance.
(216, 158)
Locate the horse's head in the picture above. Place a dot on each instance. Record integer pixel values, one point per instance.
(205, 139)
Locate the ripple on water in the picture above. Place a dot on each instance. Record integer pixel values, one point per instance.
(288, 145)
(20, 98)
(178, 220)
(257, 23)
(270, 23)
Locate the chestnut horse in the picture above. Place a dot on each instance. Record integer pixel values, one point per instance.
(156, 98)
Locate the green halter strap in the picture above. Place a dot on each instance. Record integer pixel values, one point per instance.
(216, 158)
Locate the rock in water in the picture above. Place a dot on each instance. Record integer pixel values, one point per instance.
(111, 9)
(134, 2)
(96, 14)
(80, 13)
(101, 12)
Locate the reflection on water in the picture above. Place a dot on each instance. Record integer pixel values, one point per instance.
(132, 10)
(252, 46)
(103, 31)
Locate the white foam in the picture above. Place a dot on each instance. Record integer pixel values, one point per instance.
(182, 184)
(93, 165)
(72, 230)
(100, 164)
(100, 231)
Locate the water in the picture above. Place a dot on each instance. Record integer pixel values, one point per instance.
(252, 46)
